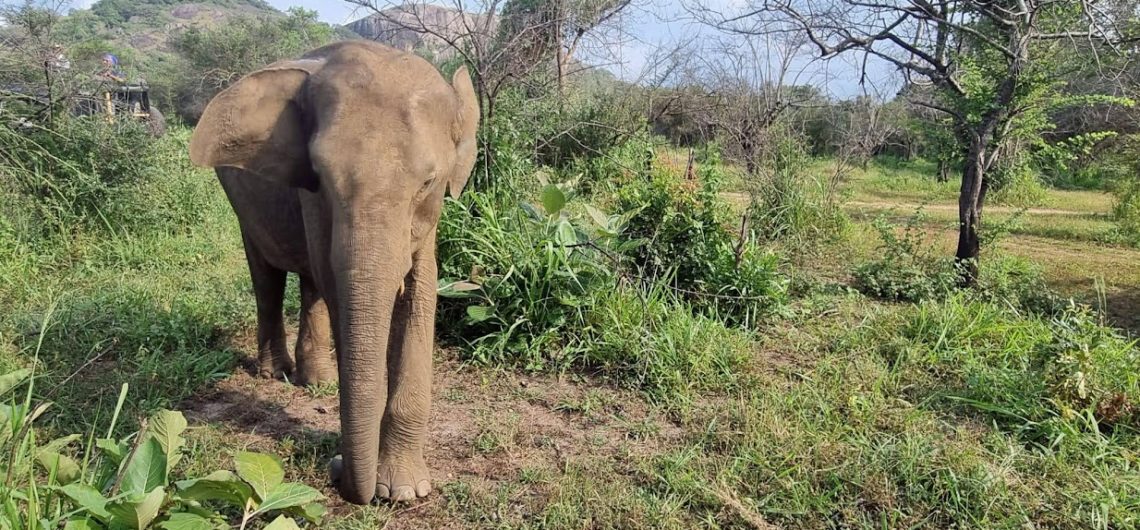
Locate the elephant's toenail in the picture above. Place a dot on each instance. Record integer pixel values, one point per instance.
(403, 493)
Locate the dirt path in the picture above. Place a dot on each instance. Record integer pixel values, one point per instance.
(954, 208)
(742, 198)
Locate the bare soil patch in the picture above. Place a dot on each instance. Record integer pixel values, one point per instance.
(487, 428)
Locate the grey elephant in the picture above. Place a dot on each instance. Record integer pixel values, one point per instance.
(336, 165)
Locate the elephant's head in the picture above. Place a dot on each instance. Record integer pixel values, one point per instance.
(374, 136)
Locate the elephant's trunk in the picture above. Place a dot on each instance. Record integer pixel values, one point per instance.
(369, 277)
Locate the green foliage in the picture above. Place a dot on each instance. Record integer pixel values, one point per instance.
(1125, 187)
(907, 268)
(130, 482)
(1045, 380)
(1015, 183)
(789, 203)
(535, 287)
(219, 56)
(689, 243)
(643, 337)
(87, 174)
(521, 277)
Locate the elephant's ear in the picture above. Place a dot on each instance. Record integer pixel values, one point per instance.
(256, 124)
(464, 131)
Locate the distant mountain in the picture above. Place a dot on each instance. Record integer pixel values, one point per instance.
(148, 25)
(402, 27)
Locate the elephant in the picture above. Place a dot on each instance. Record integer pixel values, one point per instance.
(336, 165)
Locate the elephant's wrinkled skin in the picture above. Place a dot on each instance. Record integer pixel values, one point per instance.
(336, 166)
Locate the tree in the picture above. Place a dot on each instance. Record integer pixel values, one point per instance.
(504, 43)
(755, 80)
(990, 61)
(220, 55)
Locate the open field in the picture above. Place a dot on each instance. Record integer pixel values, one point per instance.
(844, 411)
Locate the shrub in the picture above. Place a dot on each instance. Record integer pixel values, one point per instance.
(1017, 185)
(786, 201)
(1126, 211)
(684, 227)
(89, 175)
(529, 271)
(129, 482)
(906, 269)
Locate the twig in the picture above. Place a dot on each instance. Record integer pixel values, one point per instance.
(131, 456)
(752, 518)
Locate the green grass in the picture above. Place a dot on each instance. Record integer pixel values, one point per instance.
(146, 306)
(840, 411)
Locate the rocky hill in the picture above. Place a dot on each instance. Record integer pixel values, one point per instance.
(397, 26)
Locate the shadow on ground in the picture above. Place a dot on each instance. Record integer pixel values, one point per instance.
(487, 430)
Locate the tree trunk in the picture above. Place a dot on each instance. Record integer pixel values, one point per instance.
(970, 202)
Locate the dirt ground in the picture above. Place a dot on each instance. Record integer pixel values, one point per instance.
(487, 428)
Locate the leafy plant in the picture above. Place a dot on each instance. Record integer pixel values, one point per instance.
(516, 278)
(688, 242)
(906, 269)
(128, 483)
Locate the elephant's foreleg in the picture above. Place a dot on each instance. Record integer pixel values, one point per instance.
(402, 473)
(316, 361)
(269, 289)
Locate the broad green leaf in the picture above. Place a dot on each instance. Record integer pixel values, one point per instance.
(598, 217)
(282, 523)
(552, 199)
(479, 313)
(146, 470)
(167, 427)
(9, 380)
(289, 495)
(82, 523)
(566, 233)
(116, 451)
(66, 469)
(58, 444)
(186, 521)
(312, 512)
(627, 246)
(137, 510)
(263, 472)
(88, 498)
(219, 485)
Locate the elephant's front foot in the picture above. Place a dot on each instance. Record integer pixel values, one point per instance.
(274, 366)
(396, 481)
(402, 479)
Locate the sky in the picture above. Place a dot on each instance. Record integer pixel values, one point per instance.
(648, 26)
(651, 25)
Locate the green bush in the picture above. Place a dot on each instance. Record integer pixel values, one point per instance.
(907, 268)
(129, 482)
(89, 175)
(789, 203)
(1126, 211)
(528, 270)
(535, 288)
(688, 241)
(1016, 185)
